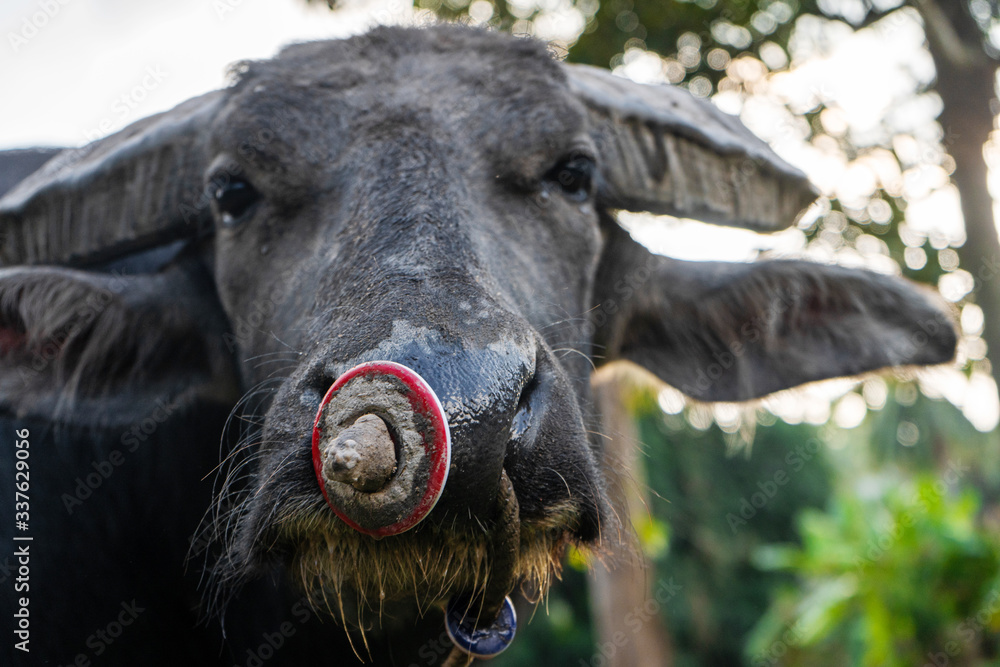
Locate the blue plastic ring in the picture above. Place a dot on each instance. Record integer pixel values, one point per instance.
(479, 642)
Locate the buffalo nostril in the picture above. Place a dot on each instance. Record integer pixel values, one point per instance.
(523, 414)
(362, 455)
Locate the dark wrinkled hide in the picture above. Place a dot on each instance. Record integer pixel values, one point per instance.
(439, 198)
(127, 543)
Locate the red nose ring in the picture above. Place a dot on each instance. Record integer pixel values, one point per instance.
(355, 472)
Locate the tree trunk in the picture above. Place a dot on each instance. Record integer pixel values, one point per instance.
(965, 82)
(620, 593)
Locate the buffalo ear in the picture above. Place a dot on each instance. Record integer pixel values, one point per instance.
(93, 349)
(137, 188)
(721, 331)
(664, 151)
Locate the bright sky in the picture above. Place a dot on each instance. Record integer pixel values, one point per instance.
(84, 64)
(75, 70)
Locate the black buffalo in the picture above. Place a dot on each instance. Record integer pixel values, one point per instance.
(440, 198)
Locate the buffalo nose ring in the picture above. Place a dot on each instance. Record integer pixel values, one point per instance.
(381, 448)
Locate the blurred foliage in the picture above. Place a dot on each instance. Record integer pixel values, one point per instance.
(720, 508)
(702, 530)
(896, 571)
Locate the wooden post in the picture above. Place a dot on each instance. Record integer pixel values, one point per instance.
(625, 585)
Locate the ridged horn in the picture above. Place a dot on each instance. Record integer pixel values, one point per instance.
(137, 188)
(664, 151)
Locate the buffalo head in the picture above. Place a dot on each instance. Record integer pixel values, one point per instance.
(441, 200)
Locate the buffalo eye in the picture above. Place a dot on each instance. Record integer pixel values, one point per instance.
(573, 175)
(233, 198)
